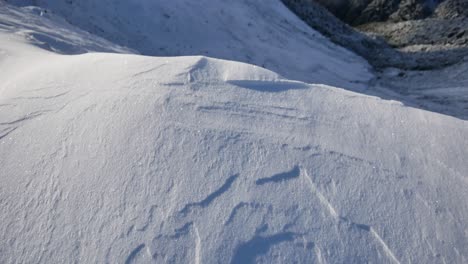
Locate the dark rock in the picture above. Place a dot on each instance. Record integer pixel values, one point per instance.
(452, 9)
(358, 12)
(372, 44)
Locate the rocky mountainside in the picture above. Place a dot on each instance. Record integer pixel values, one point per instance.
(410, 57)
(427, 34)
(452, 9)
(359, 12)
(434, 24)
(380, 43)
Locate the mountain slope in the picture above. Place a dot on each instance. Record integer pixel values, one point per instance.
(51, 32)
(264, 33)
(357, 12)
(124, 158)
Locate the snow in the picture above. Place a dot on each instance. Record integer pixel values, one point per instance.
(52, 32)
(264, 33)
(122, 158)
(442, 90)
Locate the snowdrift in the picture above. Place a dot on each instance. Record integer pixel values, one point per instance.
(131, 159)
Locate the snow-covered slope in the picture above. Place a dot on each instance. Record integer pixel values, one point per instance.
(264, 33)
(48, 31)
(121, 158)
(133, 159)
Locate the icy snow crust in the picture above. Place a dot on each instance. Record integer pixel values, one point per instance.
(114, 158)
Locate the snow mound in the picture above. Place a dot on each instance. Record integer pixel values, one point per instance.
(130, 159)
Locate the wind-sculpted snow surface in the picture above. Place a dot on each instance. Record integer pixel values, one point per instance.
(131, 159)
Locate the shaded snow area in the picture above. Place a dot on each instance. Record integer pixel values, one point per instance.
(264, 33)
(122, 158)
(441, 90)
(46, 30)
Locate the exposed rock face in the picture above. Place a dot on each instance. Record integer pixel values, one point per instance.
(412, 10)
(357, 12)
(431, 26)
(431, 32)
(419, 47)
(375, 50)
(452, 9)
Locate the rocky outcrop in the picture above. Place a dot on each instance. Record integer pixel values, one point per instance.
(427, 51)
(358, 12)
(450, 9)
(432, 32)
(373, 49)
(443, 26)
